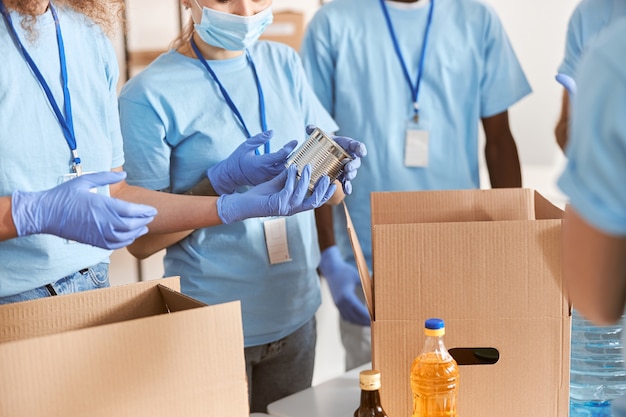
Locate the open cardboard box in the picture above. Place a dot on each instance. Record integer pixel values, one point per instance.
(138, 350)
(489, 263)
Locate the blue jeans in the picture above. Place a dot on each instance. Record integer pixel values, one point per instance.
(278, 369)
(96, 276)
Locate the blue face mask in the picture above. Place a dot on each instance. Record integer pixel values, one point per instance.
(229, 31)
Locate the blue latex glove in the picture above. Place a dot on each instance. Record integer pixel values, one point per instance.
(343, 279)
(283, 195)
(244, 167)
(356, 149)
(71, 211)
(568, 83)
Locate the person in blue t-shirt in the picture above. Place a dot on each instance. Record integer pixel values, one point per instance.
(181, 117)
(59, 118)
(413, 80)
(594, 229)
(588, 19)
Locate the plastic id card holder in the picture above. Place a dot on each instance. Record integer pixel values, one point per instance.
(416, 145)
(67, 177)
(276, 240)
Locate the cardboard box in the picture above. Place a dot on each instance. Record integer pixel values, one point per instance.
(488, 263)
(136, 350)
(287, 27)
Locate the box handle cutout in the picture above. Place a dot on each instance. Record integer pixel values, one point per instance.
(475, 356)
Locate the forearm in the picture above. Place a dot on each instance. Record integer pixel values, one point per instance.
(150, 244)
(501, 152)
(503, 165)
(7, 227)
(561, 131)
(204, 187)
(176, 213)
(594, 266)
(325, 229)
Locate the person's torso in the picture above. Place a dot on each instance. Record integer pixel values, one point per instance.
(230, 262)
(34, 152)
(372, 100)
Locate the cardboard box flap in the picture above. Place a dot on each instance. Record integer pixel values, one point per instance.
(544, 209)
(458, 206)
(361, 264)
(50, 315)
(175, 301)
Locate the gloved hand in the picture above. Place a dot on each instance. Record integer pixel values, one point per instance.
(244, 167)
(343, 279)
(567, 82)
(71, 211)
(280, 196)
(356, 149)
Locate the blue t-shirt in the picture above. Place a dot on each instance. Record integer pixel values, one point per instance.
(176, 124)
(470, 72)
(596, 166)
(588, 19)
(34, 154)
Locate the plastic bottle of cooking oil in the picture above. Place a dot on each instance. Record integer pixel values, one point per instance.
(434, 375)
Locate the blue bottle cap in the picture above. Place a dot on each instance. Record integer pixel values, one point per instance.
(434, 324)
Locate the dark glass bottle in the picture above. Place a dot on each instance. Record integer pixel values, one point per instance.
(370, 396)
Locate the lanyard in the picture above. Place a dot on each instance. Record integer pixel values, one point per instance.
(232, 105)
(415, 89)
(66, 122)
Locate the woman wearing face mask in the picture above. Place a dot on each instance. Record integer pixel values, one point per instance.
(181, 117)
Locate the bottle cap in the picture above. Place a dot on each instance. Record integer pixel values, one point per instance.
(434, 327)
(369, 380)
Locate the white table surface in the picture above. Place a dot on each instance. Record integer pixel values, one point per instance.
(337, 397)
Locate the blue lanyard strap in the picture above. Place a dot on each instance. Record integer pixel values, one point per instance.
(414, 88)
(66, 122)
(229, 101)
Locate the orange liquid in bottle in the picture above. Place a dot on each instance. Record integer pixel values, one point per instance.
(434, 381)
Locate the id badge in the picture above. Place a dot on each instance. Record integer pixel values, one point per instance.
(276, 240)
(65, 178)
(416, 141)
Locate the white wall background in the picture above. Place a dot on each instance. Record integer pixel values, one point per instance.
(537, 31)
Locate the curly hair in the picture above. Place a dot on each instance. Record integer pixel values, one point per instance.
(183, 36)
(108, 14)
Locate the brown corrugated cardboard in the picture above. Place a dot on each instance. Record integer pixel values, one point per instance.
(488, 263)
(287, 27)
(138, 350)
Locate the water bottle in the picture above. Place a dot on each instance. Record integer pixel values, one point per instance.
(434, 375)
(597, 372)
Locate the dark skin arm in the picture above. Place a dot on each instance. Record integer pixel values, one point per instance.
(324, 223)
(501, 152)
(561, 129)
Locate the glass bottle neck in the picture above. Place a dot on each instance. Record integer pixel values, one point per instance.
(370, 400)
